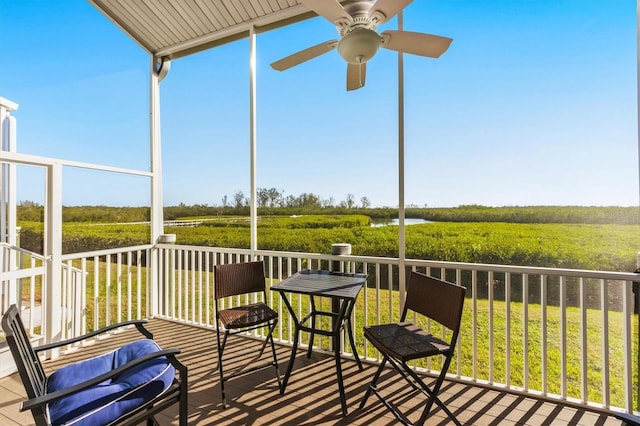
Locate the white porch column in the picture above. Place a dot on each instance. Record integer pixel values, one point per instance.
(52, 303)
(159, 69)
(629, 373)
(401, 201)
(252, 140)
(8, 221)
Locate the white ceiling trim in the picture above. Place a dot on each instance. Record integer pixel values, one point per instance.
(231, 31)
(176, 28)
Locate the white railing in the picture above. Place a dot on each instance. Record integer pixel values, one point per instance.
(21, 275)
(560, 333)
(114, 287)
(568, 335)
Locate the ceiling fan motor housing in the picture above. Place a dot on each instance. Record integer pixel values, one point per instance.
(359, 41)
(359, 45)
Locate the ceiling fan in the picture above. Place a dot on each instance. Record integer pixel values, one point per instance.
(359, 41)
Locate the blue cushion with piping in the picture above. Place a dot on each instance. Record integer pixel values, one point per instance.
(108, 400)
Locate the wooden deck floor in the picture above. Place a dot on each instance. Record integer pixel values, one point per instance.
(311, 397)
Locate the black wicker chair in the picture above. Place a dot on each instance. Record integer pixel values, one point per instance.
(123, 387)
(243, 279)
(440, 302)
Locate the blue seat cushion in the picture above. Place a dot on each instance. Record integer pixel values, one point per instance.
(110, 399)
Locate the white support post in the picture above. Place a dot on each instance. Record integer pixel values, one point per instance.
(401, 200)
(52, 303)
(159, 69)
(8, 201)
(630, 409)
(252, 143)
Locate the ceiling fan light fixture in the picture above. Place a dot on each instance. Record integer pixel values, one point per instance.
(359, 45)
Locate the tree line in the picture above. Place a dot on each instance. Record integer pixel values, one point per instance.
(305, 204)
(275, 198)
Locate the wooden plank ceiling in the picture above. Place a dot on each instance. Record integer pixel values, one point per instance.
(176, 28)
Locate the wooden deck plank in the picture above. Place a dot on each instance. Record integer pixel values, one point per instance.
(311, 397)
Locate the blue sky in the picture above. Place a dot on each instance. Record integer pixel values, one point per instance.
(534, 103)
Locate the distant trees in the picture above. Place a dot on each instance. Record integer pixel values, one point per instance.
(269, 201)
(350, 201)
(30, 211)
(238, 200)
(34, 212)
(275, 198)
(273, 202)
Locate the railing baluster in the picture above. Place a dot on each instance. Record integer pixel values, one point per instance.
(139, 284)
(474, 320)
(32, 296)
(108, 290)
(96, 291)
(192, 293)
(119, 286)
(459, 342)
(583, 340)
(525, 331)
(544, 337)
(604, 315)
(172, 270)
(179, 283)
(563, 337)
(491, 325)
(83, 297)
(628, 313)
(129, 289)
(184, 282)
(200, 288)
(507, 320)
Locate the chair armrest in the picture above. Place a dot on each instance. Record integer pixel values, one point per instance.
(138, 323)
(628, 419)
(50, 397)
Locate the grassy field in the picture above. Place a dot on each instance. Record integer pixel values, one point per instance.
(577, 246)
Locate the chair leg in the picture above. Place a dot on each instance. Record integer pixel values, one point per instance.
(273, 351)
(416, 382)
(220, 353)
(184, 395)
(372, 385)
(264, 344)
(432, 394)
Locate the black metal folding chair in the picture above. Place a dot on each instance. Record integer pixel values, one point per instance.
(123, 387)
(399, 343)
(243, 279)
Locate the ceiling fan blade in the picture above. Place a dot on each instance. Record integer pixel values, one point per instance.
(304, 55)
(388, 8)
(328, 9)
(420, 44)
(356, 74)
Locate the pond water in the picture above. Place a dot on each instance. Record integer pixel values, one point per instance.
(396, 221)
